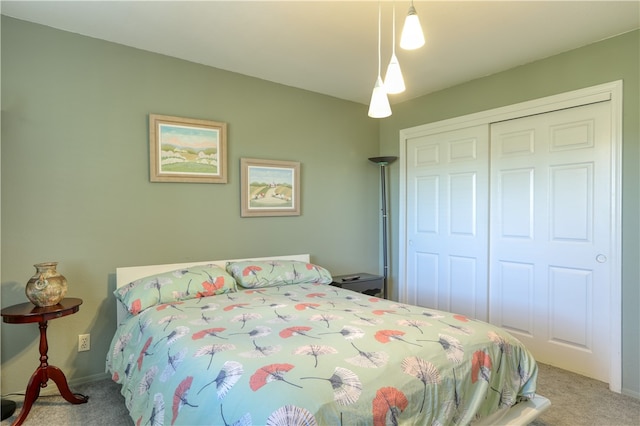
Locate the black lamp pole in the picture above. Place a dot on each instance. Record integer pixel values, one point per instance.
(383, 162)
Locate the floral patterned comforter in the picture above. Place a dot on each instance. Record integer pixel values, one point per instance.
(313, 354)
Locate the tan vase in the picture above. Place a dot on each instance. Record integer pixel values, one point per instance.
(47, 287)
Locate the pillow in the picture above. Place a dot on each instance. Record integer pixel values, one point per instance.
(270, 273)
(173, 286)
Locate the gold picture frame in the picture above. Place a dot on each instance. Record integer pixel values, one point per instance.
(187, 150)
(269, 188)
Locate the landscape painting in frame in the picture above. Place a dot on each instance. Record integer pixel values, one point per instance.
(187, 150)
(270, 187)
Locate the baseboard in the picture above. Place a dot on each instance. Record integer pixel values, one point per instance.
(630, 392)
(88, 379)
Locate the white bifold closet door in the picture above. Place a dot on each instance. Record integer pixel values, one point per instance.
(510, 223)
(550, 235)
(447, 221)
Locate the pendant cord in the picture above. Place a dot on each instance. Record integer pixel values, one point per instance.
(379, 29)
(393, 39)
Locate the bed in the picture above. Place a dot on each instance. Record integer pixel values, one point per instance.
(193, 346)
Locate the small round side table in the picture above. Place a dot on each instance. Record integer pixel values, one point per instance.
(28, 313)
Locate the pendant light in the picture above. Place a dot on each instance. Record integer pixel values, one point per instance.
(379, 106)
(393, 80)
(412, 36)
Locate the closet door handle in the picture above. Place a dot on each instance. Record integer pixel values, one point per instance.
(601, 258)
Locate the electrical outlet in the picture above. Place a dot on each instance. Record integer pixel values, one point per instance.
(84, 342)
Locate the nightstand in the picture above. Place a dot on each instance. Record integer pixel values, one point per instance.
(361, 282)
(29, 313)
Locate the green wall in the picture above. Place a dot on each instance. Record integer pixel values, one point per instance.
(75, 179)
(613, 59)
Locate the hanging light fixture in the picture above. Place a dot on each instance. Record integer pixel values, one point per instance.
(379, 106)
(393, 80)
(412, 36)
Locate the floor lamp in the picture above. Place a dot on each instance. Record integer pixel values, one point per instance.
(383, 162)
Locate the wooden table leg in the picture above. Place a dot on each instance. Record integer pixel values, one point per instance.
(32, 393)
(60, 380)
(40, 378)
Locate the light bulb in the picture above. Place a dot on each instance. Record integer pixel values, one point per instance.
(379, 106)
(393, 80)
(412, 36)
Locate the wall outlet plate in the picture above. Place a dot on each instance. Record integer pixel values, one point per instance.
(84, 342)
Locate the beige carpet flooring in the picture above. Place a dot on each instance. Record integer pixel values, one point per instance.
(579, 401)
(575, 401)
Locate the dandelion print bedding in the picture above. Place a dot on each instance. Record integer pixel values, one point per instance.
(315, 355)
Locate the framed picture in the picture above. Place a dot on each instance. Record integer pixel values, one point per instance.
(269, 188)
(187, 150)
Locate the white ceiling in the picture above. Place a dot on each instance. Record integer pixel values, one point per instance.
(330, 47)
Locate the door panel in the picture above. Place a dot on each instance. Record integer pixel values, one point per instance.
(515, 215)
(571, 190)
(550, 216)
(516, 307)
(571, 320)
(447, 214)
(425, 270)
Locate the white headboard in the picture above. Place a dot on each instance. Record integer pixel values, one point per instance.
(131, 273)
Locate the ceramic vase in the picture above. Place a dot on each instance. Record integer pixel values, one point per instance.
(47, 287)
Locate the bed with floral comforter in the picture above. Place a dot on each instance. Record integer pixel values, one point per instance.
(201, 349)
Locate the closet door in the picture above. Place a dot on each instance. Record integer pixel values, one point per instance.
(447, 217)
(550, 235)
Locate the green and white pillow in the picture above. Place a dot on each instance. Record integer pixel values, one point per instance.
(173, 286)
(271, 273)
